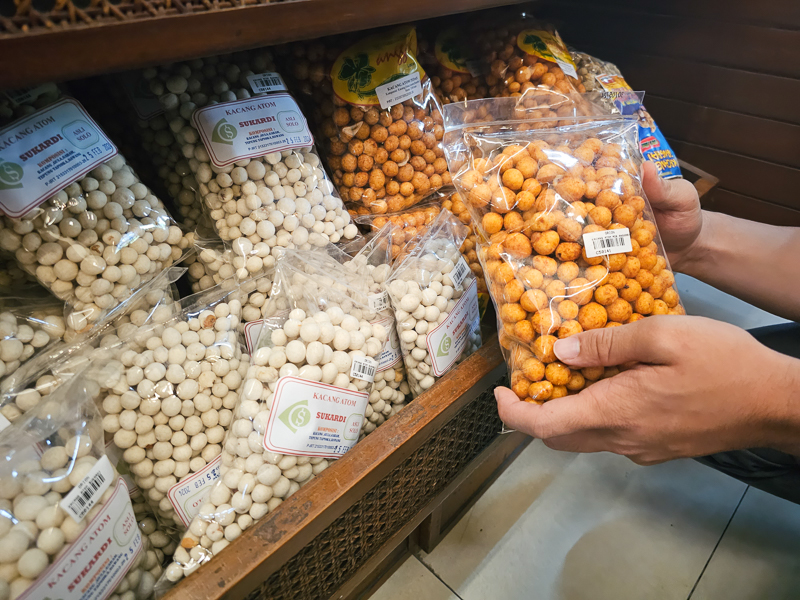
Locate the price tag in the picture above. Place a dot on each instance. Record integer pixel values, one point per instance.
(399, 90)
(265, 83)
(378, 302)
(611, 241)
(364, 367)
(88, 491)
(460, 272)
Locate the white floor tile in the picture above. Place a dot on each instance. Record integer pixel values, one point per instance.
(559, 526)
(412, 581)
(702, 300)
(759, 555)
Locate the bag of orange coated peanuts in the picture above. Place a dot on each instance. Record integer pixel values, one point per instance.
(567, 239)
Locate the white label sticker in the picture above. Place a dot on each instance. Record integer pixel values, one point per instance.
(137, 89)
(88, 491)
(448, 340)
(94, 564)
(568, 68)
(253, 127)
(26, 95)
(314, 419)
(399, 90)
(378, 302)
(189, 493)
(265, 83)
(364, 367)
(390, 354)
(460, 272)
(4, 422)
(45, 152)
(252, 329)
(611, 241)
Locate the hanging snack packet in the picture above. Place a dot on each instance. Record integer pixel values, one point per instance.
(435, 298)
(571, 243)
(455, 69)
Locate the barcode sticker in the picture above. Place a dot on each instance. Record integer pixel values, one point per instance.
(88, 491)
(611, 241)
(378, 302)
(263, 83)
(399, 90)
(460, 272)
(26, 95)
(364, 367)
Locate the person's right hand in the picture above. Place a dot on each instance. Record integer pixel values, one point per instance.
(676, 206)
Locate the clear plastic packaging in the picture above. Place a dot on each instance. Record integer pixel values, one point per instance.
(15, 104)
(435, 299)
(450, 58)
(571, 243)
(58, 493)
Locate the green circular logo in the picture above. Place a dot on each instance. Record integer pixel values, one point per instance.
(300, 416)
(10, 173)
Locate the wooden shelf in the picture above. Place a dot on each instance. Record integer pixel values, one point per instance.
(68, 51)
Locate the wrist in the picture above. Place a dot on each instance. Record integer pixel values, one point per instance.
(695, 258)
(782, 431)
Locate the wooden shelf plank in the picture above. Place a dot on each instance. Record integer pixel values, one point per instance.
(83, 50)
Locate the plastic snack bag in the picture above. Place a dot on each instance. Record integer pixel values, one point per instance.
(601, 76)
(571, 243)
(68, 526)
(454, 65)
(435, 298)
(15, 104)
(90, 231)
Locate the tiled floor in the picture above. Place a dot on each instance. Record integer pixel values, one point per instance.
(558, 526)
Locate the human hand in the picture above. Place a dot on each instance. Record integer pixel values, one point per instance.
(696, 387)
(676, 207)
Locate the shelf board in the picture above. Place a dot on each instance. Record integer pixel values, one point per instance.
(65, 52)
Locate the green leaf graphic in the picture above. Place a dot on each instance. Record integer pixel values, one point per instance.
(224, 133)
(296, 416)
(356, 72)
(537, 44)
(444, 346)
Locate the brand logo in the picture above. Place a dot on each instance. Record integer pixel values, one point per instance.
(10, 176)
(296, 416)
(224, 133)
(444, 346)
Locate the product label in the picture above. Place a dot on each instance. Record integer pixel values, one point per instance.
(375, 62)
(309, 418)
(391, 354)
(266, 83)
(451, 51)
(88, 491)
(399, 90)
(189, 493)
(4, 422)
(460, 272)
(45, 152)
(378, 302)
(252, 127)
(611, 241)
(92, 566)
(363, 367)
(447, 341)
(27, 95)
(252, 329)
(547, 46)
(137, 89)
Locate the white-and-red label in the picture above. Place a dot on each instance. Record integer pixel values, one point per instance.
(252, 329)
(448, 340)
(253, 127)
(309, 418)
(93, 565)
(390, 353)
(45, 152)
(189, 493)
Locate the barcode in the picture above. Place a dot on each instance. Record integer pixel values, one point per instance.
(379, 302)
(460, 271)
(608, 243)
(81, 504)
(363, 368)
(601, 243)
(266, 82)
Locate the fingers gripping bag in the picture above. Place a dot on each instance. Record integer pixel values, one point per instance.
(435, 299)
(76, 216)
(570, 241)
(303, 403)
(67, 526)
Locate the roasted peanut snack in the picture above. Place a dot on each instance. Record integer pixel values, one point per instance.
(454, 70)
(383, 127)
(571, 243)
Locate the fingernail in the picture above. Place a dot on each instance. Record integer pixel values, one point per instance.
(567, 349)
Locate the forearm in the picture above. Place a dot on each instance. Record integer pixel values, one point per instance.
(782, 420)
(752, 261)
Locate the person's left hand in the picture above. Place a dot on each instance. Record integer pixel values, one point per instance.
(697, 387)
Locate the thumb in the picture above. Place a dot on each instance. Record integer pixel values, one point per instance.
(641, 342)
(667, 194)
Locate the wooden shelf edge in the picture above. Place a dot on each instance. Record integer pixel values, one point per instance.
(84, 50)
(268, 545)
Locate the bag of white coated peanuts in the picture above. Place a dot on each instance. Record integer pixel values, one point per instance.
(58, 362)
(19, 103)
(303, 403)
(168, 391)
(67, 526)
(76, 216)
(435, 298)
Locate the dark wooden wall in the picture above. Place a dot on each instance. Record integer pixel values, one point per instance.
(722, 80)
